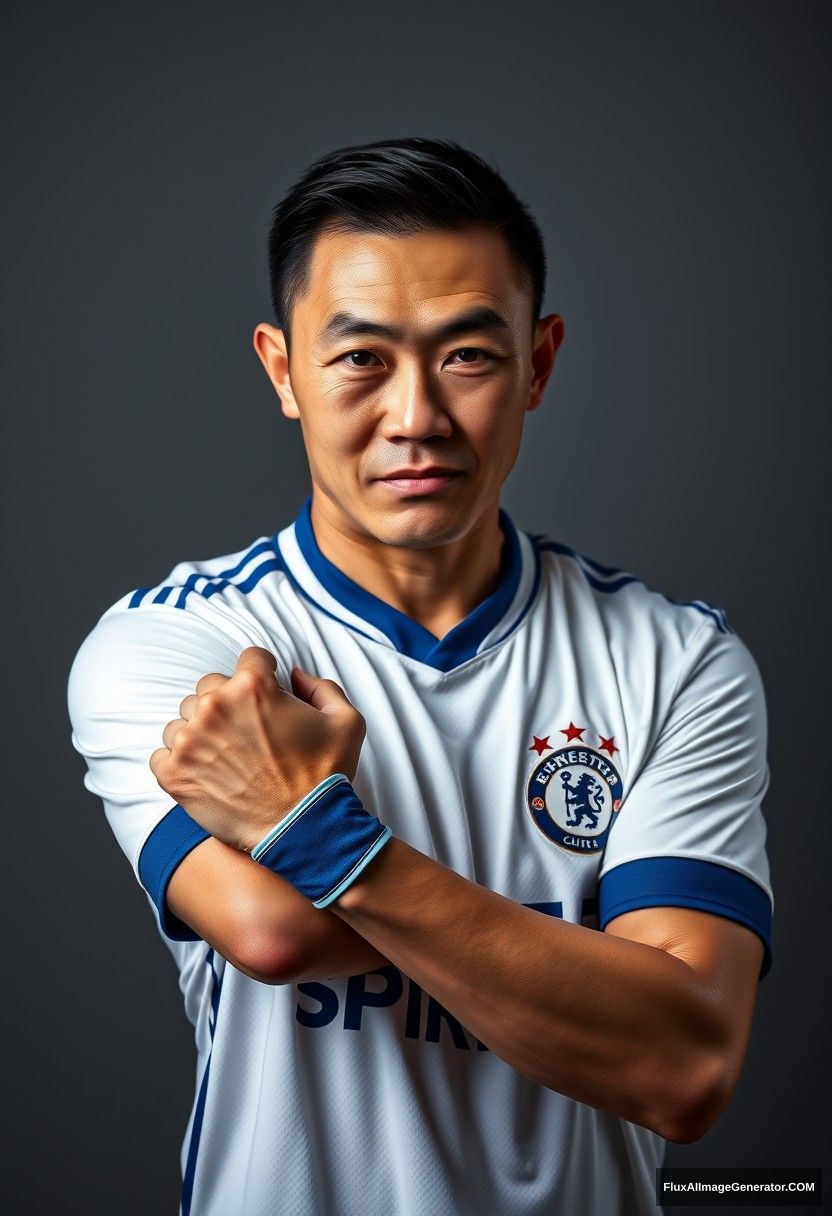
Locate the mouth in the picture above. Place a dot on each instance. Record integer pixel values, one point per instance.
(419, 481)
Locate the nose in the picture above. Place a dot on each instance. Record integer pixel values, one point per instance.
(415, 409)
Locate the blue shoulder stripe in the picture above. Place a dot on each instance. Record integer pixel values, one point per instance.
(217, 582)
(612, 578)
(711, 610)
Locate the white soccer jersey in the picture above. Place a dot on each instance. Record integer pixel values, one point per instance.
(579, 743)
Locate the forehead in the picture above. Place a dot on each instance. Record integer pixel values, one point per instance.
(430, 272)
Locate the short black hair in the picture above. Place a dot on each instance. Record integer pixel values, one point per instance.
(397, 187)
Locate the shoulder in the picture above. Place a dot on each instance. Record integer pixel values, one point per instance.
(624, 600)
(656, 645)
(195, 620)
(225, 581)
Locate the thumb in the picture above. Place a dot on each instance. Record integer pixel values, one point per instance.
(325, 695)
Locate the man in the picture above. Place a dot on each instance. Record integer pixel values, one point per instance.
(385, 774)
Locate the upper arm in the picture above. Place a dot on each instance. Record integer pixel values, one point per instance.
(685, 868)
(690, 832)
(126, 683)
(127, 680)
(724, 955)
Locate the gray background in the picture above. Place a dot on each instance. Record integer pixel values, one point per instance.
(675, 156)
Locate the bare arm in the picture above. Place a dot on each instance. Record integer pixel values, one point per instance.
(250, 915)
(260, 923)
(649, 1020)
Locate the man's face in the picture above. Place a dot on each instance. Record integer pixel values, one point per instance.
(373, 402)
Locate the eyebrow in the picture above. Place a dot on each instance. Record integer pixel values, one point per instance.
(348, 325)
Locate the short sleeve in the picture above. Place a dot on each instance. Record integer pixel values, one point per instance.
(690, 831)
(126, 683)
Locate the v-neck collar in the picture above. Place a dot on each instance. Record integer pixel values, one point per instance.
(340, 596)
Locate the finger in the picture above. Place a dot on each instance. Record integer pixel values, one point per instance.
(158, 763)
(187, 707)
(257, 657)
(210, 682)
(171, 731)
(325, 695)
(257, 671)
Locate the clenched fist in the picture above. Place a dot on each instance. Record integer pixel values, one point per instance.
(244, 751)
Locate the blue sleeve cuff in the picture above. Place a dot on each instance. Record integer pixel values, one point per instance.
(687, 882)
(170, 841)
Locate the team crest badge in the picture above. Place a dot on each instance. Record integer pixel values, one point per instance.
(574, 792)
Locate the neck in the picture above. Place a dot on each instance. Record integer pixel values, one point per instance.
(437, 587)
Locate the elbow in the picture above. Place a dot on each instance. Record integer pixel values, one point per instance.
(694, 1102)
(684, 1126)
(262, 947)
(265, 957)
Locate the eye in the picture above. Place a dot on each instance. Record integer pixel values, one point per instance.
(476, 350)
(364, 357)
(365, 353)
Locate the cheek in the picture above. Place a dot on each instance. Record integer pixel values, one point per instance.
(336, 422)
(336, 443)
(496, 433)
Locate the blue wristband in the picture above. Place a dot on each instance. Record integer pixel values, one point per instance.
(323, 843)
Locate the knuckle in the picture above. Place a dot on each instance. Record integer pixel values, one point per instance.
(260, 652)
(210, 704)
(248, 680)
(182, 745)
(204, 683)
(254, 682)
(171, 730)
(172, 780)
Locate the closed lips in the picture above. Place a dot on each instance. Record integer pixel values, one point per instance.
(429, 472)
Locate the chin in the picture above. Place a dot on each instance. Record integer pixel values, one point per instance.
(420, 525)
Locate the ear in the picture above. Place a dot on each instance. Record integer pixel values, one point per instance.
(270, 345)
(548, 336)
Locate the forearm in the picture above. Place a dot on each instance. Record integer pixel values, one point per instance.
(613, 1023)
(319, 944)
(259, 922)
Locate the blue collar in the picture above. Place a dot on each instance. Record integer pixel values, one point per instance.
(348, 601)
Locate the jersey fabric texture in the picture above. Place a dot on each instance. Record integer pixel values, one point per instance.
(579, 743)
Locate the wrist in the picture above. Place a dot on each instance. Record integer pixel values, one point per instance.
(257, 850)
(324, 842)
